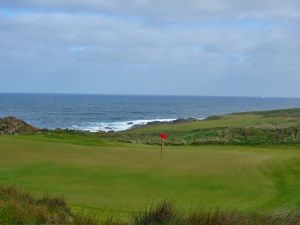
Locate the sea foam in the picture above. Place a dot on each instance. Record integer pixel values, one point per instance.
(113, 126)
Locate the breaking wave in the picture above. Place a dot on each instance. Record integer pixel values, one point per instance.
(113, 126)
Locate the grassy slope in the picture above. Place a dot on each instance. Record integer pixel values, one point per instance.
(286, 117)
(112, 177)
(266, 127)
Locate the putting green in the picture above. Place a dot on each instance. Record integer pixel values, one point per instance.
(117, 177)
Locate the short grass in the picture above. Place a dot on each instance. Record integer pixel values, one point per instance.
(118, 178)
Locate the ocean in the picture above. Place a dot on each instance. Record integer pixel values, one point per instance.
(120, 112)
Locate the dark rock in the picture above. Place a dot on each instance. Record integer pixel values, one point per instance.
(215, 117)
(156, 123)
(180, 120)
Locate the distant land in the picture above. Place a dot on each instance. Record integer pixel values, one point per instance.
(117, 113)
(259, 127)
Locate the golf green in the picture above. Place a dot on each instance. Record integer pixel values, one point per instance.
(117, 177)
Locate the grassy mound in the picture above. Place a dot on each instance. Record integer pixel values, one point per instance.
(19, 208)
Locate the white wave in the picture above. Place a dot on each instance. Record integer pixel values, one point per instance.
(114, 126)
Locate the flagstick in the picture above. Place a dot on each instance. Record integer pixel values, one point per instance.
(161, 144)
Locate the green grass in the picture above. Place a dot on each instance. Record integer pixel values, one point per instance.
(20, 208)
(286, 117)
(117, 178)
(265, 127)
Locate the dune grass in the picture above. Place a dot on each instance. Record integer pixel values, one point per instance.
(20, 208)
(114, 178)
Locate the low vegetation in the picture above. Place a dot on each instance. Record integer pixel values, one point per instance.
(20, 208)
(250, 128)
(266, 127)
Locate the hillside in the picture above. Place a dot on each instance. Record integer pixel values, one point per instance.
(18, 207)
(265, 127)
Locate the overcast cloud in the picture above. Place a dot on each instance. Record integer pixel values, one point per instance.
(208, 47)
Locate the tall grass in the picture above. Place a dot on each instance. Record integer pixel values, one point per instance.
(19, 208)
(166, 213)
(162, 213)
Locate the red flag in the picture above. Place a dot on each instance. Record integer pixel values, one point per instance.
(164, 136)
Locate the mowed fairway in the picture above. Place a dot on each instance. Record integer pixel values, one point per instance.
(117, 177)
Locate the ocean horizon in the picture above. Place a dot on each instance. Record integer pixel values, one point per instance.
(104, 112)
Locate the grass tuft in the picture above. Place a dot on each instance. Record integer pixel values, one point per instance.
(17, 207)
(163, 213)
(82, 218)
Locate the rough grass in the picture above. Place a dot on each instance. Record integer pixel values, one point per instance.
(19, 208)
(223, 135)
(265, 127)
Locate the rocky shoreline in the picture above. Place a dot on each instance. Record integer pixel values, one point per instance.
(11, 125)
(180, 120)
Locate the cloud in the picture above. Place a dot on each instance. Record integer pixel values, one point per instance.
(202, 47)
(172, 9)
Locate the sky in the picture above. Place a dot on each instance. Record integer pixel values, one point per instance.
(151, 47)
